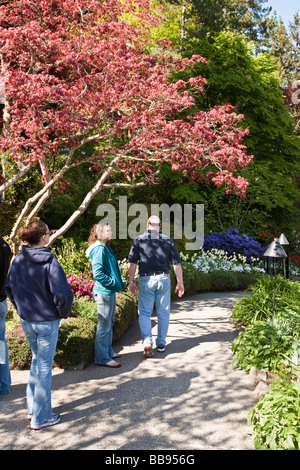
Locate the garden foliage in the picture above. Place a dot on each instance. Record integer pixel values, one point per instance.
(276, 418)
(262, 345)
(271, 341)
(83, 93)
(259, 305)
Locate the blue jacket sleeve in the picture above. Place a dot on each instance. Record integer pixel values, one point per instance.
(60, 289)
(98, 263)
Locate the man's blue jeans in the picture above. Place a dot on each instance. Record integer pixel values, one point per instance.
(5, 379)
(106, 305)
(42, 338)
(154, 289)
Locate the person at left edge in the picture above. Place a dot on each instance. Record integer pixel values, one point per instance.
(38, 288)
(5, 377)
(108, 279)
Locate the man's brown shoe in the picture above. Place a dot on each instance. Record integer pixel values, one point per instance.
(148, 351)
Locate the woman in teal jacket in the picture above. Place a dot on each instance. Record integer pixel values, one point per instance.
(108, 279)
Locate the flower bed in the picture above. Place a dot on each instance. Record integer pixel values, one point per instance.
(233, 243)
(220, 260)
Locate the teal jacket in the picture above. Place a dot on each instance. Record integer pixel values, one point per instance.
(105, 268)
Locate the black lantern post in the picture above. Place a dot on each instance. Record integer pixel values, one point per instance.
(284, 242)
(275, 250)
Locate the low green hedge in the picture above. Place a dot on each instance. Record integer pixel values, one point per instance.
(196, 281)
(19, 352)
(75, 344)
(125, 314)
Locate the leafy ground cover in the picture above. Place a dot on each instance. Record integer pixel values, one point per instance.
(271, 341)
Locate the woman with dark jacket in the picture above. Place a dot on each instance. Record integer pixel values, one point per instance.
(38, 288)
(5, 378)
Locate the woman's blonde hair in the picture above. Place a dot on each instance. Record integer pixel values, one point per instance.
(96, 232)
(92, 237)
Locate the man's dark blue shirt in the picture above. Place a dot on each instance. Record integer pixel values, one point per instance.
(154, 251)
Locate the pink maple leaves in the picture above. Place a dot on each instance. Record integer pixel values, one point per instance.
(76, 72)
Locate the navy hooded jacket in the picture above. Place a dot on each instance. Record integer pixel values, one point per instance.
(37, 286)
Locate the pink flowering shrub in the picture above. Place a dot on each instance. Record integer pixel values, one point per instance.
(81, 284)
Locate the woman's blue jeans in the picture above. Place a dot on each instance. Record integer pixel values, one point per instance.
(154, 289)
(42, 338)
(106, 305)
(5, 379)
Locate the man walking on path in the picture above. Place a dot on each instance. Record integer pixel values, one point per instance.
(154, 251)
(5, 379)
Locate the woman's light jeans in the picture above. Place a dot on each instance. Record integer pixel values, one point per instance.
(154, 289)
(5, 379)
(106, 305)
(42, 338)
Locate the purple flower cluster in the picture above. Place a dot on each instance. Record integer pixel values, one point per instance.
(232, 242)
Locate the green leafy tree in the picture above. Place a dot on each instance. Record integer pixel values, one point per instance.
(285, 47)
(187, 19)
(250, 82)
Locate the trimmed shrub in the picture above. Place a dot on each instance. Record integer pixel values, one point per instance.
(232, 242)
(126, 313)
(85, 308)
(224, 281)
(205, 282)
(19, 352)
(75, 343)
(244, 280)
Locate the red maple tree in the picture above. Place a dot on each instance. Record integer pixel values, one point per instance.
(75, 72)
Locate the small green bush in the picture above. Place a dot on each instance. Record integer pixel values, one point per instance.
(263, 346)
(75, 344)
(259, 305)
(196, 281)
(126, 313)
(19, 352)
(276, 418)
(77, 335)
(85, 308)
(223, 281)
(205, 282)
(244, 280)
